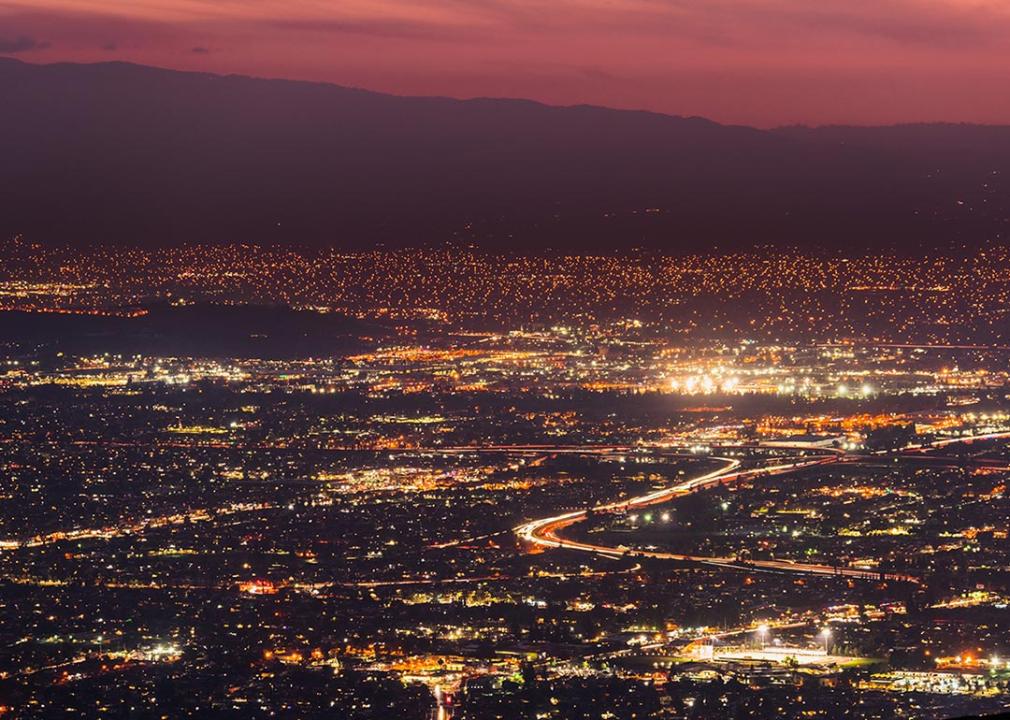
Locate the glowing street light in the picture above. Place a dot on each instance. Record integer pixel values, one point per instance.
(762, 631)
(826, 636)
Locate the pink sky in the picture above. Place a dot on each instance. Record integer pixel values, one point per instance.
(758, 62)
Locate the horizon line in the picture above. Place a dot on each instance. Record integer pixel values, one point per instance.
(506, 98)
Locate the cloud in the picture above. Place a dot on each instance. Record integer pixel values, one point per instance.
(753, 61)
(380, 28)
(903, 22)
(776, 25)
(21, 43)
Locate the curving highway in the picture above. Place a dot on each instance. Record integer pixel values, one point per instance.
(546, 532)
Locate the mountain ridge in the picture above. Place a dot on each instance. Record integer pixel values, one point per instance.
(124, 153)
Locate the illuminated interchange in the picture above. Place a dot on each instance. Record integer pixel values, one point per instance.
(247, 482)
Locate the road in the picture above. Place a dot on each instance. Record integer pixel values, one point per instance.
(546, 532)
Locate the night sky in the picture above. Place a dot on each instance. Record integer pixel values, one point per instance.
(756, 62)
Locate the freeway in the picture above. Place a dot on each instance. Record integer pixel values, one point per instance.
(546, 532)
